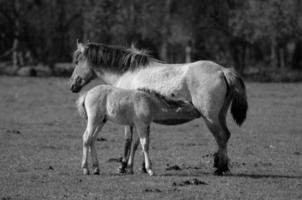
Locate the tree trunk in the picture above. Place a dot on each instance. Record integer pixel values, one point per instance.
(188, 51)
(273, 60)
(238, 50)
(164, 51)
(15, 53)
(297, 60)
(165, 31)
(282, 58)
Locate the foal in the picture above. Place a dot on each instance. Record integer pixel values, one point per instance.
(135, 108)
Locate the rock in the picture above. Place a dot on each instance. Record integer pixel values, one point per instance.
(27, 71)
(63, 69)
(43, 71)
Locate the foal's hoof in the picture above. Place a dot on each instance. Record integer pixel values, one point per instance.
(129, 171)
(122, 170)
(150, 172)
(85, 171)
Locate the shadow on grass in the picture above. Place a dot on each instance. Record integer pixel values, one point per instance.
(255, 176)
(240, 175)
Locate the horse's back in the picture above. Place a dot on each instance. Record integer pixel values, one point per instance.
(124, 106)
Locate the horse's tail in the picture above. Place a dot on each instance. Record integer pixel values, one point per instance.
(237, 92)
(81, 105)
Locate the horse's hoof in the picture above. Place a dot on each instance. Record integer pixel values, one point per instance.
(220, 172)
(216, 160)
(150, 172)
(85, 171)
(96, 172)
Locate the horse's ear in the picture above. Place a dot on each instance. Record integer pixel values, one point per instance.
(80, 46)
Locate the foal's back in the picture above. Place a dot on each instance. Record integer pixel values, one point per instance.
(122, 106)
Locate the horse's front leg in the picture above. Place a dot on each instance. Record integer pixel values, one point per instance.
(127, 146)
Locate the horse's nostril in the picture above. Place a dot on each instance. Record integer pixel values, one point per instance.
(74, 89)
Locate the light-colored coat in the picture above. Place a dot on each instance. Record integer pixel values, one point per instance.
(133, 108)
(210, 87)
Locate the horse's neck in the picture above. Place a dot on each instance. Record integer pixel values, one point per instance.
(125, 80)
(108, 77)
(112, 78)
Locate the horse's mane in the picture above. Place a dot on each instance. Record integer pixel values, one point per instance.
(167, 100)
(113, 58)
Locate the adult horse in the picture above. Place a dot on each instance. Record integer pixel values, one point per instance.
(210, 87)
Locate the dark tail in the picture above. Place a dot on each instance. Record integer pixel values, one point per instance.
(81, 106)
(238, 95)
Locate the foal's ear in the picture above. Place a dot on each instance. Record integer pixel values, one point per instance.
(80, 46)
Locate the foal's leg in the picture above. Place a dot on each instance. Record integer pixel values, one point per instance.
(132, 154)
(95, 162)
(85, 154)
(144, 135)
(88, 139)
(127, 147)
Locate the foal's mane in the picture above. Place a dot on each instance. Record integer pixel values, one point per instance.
(167, 100)
(111, 58)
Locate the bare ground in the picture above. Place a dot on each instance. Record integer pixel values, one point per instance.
(40, 145)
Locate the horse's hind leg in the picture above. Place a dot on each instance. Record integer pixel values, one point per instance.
(222, 136)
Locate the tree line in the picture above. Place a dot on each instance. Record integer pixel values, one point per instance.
(236, 33)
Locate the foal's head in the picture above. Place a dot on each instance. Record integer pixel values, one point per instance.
(83, 71)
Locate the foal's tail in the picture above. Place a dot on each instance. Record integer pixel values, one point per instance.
(237, 94)
(81, 105)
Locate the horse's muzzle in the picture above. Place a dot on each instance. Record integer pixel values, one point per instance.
(75, 89)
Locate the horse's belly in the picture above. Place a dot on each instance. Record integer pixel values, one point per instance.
(177, 115)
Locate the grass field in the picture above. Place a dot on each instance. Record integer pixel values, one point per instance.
(40, 145)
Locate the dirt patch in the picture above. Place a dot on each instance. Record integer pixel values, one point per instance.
(117, 160)
(173, 167)
(152, 190)
(194, 181)
(101, 139)
(13, 131)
